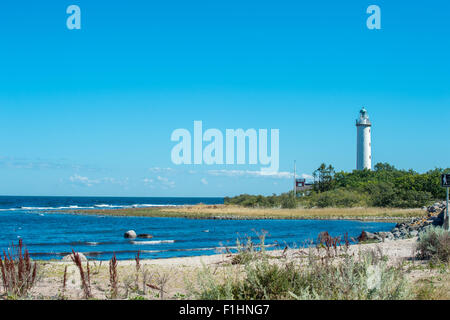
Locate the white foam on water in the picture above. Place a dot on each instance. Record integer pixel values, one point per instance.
(47, 208)
(154, 205)
(153, 251)
(198, 249)
(106, 206)
(152, 242)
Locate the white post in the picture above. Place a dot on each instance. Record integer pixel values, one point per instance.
(446, 218)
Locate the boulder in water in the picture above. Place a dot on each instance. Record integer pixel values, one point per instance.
(130, 234)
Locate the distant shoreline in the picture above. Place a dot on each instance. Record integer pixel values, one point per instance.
(231, 212)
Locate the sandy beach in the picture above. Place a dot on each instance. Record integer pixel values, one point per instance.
(174, 277)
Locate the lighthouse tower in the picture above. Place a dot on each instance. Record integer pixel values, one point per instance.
(363, 142)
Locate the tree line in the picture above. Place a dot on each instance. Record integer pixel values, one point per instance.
(384, 186)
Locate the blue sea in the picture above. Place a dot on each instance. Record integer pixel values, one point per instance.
(49, 233)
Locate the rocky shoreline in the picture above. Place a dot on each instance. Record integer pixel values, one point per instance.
(412, 228)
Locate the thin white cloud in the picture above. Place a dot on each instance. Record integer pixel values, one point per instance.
(160, 181)
(88, 182)
(84, 181)
(159, 170)
(258, 174)
(115, 181)
(250, 173)
(306, 176)
(166, 182)
(42, 164)
(149, 183)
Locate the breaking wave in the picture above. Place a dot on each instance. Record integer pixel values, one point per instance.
(152, 242)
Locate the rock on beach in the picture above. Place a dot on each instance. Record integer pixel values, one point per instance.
(413, 228)
(68, 258)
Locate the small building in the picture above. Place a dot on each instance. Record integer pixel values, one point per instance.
(302, 188)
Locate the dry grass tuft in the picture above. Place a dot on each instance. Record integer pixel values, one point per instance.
(113, 277)
(85, 276)
(18, 271)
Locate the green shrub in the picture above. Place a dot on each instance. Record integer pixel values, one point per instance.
(284, 200)
(386, 195)
(381, 194)
(248, 251)
(434, 244)
(338, 198)
(331, 277)
(288, 202)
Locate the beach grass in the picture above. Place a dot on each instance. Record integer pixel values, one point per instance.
(326, 271)
(237, 212)
(196, 277)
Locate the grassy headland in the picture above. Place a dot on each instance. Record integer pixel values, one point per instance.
(238, 212)
(385, 193)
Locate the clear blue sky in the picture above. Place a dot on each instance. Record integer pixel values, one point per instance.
(91, 111)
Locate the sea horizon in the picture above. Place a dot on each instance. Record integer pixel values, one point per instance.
(93, 202)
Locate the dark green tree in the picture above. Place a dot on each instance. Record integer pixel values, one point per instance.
(323, 178)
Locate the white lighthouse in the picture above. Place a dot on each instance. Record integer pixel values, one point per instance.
(363, 142)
